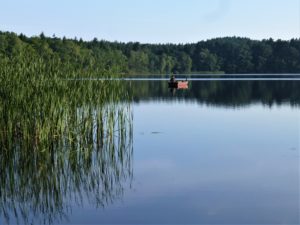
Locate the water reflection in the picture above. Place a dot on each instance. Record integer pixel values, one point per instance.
(61, 147)
(228, 93)
(69, 147)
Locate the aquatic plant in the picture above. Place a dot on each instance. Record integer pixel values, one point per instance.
(62, 141)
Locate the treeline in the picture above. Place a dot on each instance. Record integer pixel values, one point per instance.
(230, 55)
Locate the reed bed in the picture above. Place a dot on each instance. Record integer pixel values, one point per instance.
(61, 141)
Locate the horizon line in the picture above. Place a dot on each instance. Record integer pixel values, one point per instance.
(144, 43)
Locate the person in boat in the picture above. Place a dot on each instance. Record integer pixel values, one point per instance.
(173, 79)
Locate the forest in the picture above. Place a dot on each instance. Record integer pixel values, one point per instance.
(228, 55)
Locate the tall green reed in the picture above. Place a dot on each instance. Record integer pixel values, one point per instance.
(62, 140)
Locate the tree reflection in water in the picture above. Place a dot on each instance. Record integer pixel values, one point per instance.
(229, 93)
(64, 144)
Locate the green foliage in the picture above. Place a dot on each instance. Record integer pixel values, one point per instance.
(207, 61)
(183, 64)
(101, 58)
(138, 62)
(62, 142)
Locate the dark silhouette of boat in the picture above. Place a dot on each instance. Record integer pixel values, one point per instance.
(178, 84)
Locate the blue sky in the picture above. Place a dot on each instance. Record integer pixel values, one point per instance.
(153, 21)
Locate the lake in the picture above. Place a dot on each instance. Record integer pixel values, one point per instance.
(220, 152)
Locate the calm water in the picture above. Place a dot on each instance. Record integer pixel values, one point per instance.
(221, 152)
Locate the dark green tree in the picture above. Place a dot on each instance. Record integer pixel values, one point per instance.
(207, 61)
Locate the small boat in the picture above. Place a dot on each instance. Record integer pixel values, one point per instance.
(179, 84)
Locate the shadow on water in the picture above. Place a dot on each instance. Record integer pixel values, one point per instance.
(60, 145)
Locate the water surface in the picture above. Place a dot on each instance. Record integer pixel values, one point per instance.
(221, 152)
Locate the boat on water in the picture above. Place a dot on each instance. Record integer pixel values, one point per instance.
(179, 84)
(183, 84)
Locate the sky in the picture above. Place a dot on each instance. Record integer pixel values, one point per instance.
(153, 21)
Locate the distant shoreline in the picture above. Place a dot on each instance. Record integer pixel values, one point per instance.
(231, 55)
(176, 74)
(210, 74)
